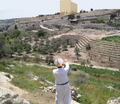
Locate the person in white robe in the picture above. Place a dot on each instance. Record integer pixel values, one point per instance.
(63, 94)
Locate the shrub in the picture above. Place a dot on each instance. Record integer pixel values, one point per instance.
(19, 51)
(88, 47)
(36, 39)
(58, 26)
(74, 68)
(27, 50)
(78, 82)
(71, 44)
(37, 59)
(29, 75)
(10, 52)
(78, 16)
(71, 16)
(64, 47)
(35, 47)
(100, 21)
(25, 57)
(40, 33)
(76, 50)
(17, 58)
(67, 40)
(41, 79)
(49, 59)
(82, 78)
(82, 75)
(112, 16)
(4, 62)
(50, 51)
(16, 81)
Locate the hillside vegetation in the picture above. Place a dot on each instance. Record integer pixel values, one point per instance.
(94, 88)
(20, 56)
(115, 39)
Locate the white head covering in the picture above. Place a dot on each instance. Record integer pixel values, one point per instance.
(58, 61)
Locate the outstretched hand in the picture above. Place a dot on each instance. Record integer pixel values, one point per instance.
(65, 60)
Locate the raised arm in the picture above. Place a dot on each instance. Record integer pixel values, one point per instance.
(67, 65)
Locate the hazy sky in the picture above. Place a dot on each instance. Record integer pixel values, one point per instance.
(31, 8)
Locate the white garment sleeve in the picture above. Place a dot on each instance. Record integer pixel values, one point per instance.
(67, 66)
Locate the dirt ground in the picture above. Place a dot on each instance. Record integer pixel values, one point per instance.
(41, 98)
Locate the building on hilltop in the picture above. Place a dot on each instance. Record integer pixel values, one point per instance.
(67, 7)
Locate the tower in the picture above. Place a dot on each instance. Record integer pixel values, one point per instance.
(67, 7)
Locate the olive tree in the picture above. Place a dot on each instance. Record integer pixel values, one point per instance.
(25, 57)
(76, 50)
(10, 52)
(37, 59)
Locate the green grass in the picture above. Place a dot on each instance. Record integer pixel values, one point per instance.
(115, 39)
(113, 24)
(21, 81)
(99, 72)
(93, 90)
(33, 54)
(33, 102)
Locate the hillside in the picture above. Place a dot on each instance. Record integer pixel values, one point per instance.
(33, 82)
(27, 54)
(6, 22)
(100, 12)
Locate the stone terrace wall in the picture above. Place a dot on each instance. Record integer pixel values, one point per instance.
(106, 53)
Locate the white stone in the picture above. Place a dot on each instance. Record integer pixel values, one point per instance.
(11, 66)
(114, 100)
(110, 87)
(74, 102)
(50, 88)
(35, 78)
(79, 96)
(41, 87)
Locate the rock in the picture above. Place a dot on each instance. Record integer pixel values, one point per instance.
(110, 87)
(42, 88)
(53, 90)
(50, 88)
(114, 100)
(12, 66)
(78, 96)
(73, 102)
(35, 78)
(25, 101)
(9, 76)
(43, 83)
(12, 99)
(50, 83)
(73, 92)
(75, 96)
(9, 97)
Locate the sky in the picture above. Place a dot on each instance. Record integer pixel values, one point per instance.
(31, 8)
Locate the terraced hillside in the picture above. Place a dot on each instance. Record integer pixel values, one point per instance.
(99, 12)
(105, 53)
(83, 40)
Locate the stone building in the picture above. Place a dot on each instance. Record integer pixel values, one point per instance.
(67, 7)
